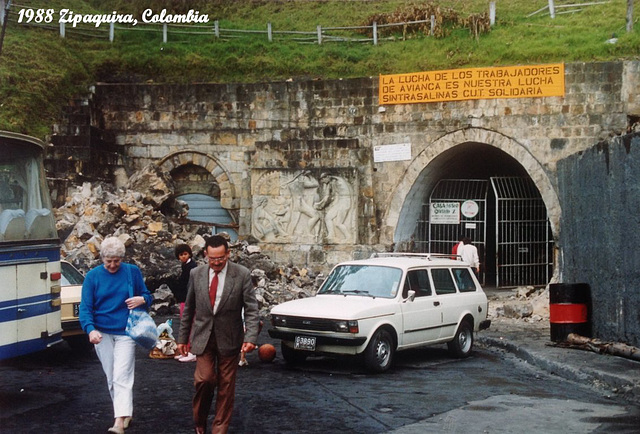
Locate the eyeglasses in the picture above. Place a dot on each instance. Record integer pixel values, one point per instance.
(218, 259)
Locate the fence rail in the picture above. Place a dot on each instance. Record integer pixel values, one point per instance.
(322, 34)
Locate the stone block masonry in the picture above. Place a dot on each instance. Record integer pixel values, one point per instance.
(294, 160)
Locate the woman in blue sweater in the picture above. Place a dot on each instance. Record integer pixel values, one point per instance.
(104, 310)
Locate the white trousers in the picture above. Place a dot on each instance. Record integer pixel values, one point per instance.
(117, 356)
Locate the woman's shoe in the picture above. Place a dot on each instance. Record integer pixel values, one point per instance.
(115, 430)
(127, 422)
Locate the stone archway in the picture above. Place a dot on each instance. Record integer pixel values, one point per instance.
(229, 198)
(403, 211)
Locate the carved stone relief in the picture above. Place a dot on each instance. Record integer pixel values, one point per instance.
(304, 207)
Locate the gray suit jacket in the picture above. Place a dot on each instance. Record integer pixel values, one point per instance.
(198, 320)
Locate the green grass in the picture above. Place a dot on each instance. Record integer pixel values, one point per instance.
(40, 72)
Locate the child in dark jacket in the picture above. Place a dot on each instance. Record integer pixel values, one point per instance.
(185, 256)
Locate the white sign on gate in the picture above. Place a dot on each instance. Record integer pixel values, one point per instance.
(444, 213)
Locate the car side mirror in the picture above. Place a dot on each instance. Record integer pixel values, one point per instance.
(411, 295)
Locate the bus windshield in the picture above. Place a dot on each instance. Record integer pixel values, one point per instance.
(25, 207)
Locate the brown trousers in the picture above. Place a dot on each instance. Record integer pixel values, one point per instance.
(214, 370)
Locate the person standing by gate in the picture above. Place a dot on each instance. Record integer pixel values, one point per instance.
(212, 318)
(457, 248)
(469, 254)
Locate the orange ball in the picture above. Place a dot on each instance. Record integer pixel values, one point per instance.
(267, 352)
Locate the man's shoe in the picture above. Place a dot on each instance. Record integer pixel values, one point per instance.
(188, 358)
(243, 363)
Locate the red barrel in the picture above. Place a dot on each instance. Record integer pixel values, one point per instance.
(569, 310)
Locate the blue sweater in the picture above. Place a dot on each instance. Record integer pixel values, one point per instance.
(103, 306)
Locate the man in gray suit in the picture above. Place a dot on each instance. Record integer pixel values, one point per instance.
(212, 318)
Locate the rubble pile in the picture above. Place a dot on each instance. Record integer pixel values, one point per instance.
(526, 303)
(151, 224)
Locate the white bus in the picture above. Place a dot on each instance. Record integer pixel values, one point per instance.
(29, 250)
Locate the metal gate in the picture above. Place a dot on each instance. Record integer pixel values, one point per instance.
(509, 227)
(456, 207)
(524, 242)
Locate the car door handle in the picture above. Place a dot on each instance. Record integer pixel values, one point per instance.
(436, 303)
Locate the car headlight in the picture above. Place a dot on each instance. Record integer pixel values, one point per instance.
(347, 326)
(278, 321)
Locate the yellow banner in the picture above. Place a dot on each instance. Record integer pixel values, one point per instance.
(473, 83)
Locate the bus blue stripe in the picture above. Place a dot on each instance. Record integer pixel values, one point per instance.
(27, 347)
(26, 300)
(49, 252)
(42, 306)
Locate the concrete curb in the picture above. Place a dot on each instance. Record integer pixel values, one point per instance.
(617, 376)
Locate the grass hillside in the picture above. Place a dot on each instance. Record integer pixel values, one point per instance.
(40, 71)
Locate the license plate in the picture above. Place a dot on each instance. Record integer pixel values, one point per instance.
(305, 343)
(76, 309)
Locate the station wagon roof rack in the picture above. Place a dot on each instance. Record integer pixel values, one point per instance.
(427, 256)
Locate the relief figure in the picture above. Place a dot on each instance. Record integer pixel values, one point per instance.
(336, 202)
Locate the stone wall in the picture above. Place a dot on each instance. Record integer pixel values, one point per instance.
(600, 233)
(277, 149)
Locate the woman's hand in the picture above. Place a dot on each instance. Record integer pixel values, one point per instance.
(134, 302)
(95, 337)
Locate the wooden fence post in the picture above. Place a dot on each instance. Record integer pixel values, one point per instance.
(269, 34)
(112, 31)
(2, 6)
(319, 30)
(433, 25)
(552, 9)
(216, 28)
(629, 16)
(62, 29)
(164, 33)
(375, 33)
(492, 13)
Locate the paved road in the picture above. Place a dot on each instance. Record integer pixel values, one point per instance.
(59, 391)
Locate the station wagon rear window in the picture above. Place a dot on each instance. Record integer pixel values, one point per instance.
(363, 280)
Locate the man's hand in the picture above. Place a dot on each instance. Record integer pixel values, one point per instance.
(247, 347)
(183, 349)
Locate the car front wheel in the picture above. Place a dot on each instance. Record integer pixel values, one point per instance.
(462, 342)
(379, 353)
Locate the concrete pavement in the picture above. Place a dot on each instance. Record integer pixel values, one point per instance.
(531, 342)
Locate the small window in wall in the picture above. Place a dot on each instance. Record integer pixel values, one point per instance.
(442, 281)
(207, 209)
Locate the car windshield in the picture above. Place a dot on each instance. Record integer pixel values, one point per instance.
(70, 275)
(363, 280)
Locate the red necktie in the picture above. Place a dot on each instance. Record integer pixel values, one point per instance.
(213, 289)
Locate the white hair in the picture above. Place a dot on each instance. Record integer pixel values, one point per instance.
(112, 247)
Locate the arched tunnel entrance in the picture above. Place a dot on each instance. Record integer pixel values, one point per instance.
(196, 186)
(479, 191)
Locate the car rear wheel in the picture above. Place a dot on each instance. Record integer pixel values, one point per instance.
(462, 342)
(378, 355)
(292, 356)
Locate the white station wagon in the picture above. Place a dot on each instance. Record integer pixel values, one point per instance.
(387, 303)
